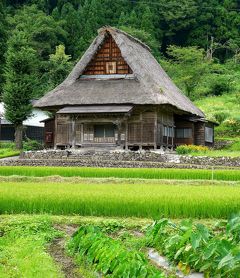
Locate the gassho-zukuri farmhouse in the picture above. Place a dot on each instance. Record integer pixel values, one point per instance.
(119, 95)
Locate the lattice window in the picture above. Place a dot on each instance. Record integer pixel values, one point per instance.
(111, 68)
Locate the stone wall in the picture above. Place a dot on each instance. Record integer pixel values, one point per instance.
(120, 159)
(96, 163)
(220, 144)
(96, 155)
(211, 161)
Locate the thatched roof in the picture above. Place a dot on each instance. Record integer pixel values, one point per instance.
(150, 85)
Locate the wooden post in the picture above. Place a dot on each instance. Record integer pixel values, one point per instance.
(141, 119)
(155, 131)
(167, 135)
(82, 135)
(55, 132)
(172, 136)
(73, 132)
(126, 137)
(119, 134)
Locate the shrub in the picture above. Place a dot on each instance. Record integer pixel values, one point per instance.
(238, 98)
(187, 149)
(220, 86)
(221, 116)
(230, 127)
(7, 145)
(32, 145)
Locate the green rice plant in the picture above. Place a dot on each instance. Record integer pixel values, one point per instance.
(142, 173)
(120, 200)
(194, 246)
(110, 256)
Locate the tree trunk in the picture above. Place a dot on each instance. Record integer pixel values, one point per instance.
(19, 136)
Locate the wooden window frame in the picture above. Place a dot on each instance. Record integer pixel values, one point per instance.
(111, 67)
(210, 129)
(184, 136)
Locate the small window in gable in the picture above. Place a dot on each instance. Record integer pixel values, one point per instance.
(111, 67)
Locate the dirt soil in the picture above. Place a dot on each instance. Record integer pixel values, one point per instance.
(57, 251)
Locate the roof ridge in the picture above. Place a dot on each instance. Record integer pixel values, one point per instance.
(111, 29)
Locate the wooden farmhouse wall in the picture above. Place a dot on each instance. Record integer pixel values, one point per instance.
(199, 133)
(144, 127)
(108, 60)
(183, 124)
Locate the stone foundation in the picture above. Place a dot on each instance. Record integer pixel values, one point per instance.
(118, 159)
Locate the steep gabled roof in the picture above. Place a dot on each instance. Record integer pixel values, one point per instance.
(150, 85)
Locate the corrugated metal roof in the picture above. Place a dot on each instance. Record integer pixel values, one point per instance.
(96, 109)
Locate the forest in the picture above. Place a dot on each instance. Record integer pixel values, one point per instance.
(197, 43)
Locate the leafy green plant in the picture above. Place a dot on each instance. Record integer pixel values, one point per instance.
(221, 116)
(233, 125)
(195, 246)
(7, 145)
(220, 86)
(32, 145)
(188, 149)
(110, 256)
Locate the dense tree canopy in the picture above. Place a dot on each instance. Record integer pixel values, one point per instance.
(19, 86)
(3, 38)
(183, 23)
(210, 27)
(197, 41)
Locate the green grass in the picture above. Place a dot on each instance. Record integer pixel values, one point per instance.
(142, 173)
(226, 103)
(120, 200)
(23, 249)
(232, 150)
(8, 153)
(217, 153)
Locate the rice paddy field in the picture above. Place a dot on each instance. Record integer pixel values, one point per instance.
(125, 199)
(141, 173)
(92, 222)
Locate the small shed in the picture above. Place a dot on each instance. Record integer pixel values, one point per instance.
(34, 129)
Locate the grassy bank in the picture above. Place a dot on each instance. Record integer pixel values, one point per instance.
(120, 200)
(8, 153)
(91, 172)
(225, 110)
(23, 245)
